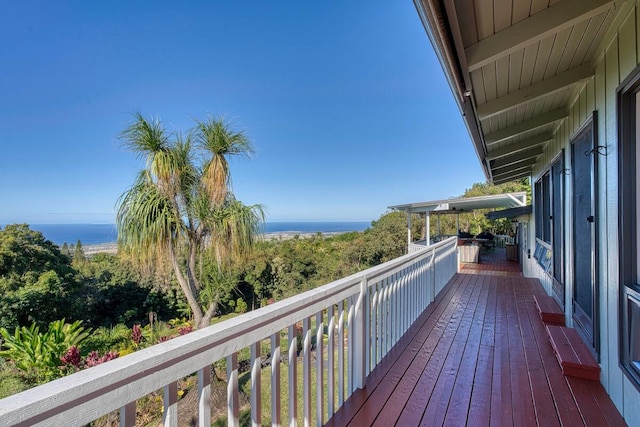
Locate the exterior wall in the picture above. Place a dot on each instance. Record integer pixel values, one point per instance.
(619, 56)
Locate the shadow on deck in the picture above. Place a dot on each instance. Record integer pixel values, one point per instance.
(479, 355)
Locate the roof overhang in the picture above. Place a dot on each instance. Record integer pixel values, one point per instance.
(466, 204)
(515, 69)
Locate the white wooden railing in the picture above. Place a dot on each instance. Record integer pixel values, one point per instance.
(356, 320)
(416, 247)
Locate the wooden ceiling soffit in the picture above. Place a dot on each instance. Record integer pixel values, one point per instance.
(505, 166)
(536, 90)
(519, 146)
(545, 23)
(517, 157)
(511, 178)
(526, 126)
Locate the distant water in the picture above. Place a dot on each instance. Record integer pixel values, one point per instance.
(94, 234)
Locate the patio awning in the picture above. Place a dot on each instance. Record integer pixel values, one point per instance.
(466, 204)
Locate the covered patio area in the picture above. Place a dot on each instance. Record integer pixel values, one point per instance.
(479, 355)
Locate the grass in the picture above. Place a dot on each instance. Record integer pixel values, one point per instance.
(11, 381)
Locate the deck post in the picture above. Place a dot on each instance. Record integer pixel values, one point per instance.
(275, 380)
(427, 232)
(128, 415)
(293, 375)
(360, 340)
(170, 402)
(408, 228)
(256, 385)
(204, 396)
(233, 395)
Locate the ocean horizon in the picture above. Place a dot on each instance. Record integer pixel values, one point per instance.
(96, 234)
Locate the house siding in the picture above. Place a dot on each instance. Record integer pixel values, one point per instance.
(619, 56)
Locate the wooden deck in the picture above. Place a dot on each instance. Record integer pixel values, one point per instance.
(478, 356)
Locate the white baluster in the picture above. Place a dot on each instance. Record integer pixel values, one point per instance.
(204, 396)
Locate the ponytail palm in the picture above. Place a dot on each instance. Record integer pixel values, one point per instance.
(177, 211)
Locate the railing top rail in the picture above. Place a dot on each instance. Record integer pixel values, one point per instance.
(381, 271)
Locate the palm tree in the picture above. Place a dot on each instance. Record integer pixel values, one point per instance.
(181, 205)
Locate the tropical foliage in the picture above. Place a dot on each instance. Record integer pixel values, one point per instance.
(37, 282)
(39, 354)
(181, 207)
(40, 284)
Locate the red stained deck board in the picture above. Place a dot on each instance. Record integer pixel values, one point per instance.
(589, 409)
(501, 408)
(572, 353)
(461, 395)
(384, 378)
(479, 356)
(550, 311)
(482, 390)
(601, 399)
(424, 389)
(390, 403)
(521, 397)
(565, 406)
(544, 406)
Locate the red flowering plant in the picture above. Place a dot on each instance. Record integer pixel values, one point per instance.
(94, 358)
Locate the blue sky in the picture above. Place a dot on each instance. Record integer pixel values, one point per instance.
(345, 103)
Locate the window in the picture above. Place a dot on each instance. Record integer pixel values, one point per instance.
(546, 207)
(543, 208)
(557, 219)
(538, 208)
(633, 320)
(628, 230)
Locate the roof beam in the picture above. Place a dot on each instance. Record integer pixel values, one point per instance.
(520, 202)
(519, 146)
(511, 178)
(536, 90)
(545, 23)
(505, 166)
(516, 157)
(526, 126)
(512, 172)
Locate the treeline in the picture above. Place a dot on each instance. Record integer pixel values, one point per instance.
(62, 312)
(41, 283)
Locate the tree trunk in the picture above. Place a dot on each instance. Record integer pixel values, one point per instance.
(208, 315)
(188, 290)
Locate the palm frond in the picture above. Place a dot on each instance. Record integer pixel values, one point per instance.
(235, 229)
(219, 140)
(145, 137)
(146, 221)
